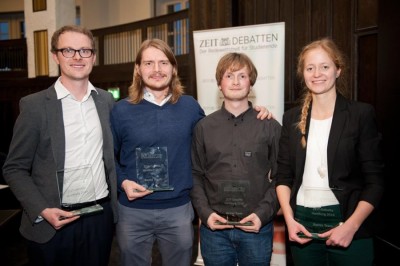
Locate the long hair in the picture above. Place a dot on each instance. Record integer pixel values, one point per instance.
(136, 88)
(338, 58)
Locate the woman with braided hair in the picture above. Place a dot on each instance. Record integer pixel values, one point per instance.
(330, 166)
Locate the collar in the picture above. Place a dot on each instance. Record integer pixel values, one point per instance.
(63, 92)
(148, 96)
(231, 116)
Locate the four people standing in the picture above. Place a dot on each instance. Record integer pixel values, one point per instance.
(330, 166)
(329, 160)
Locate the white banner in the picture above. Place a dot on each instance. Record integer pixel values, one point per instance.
(264, 44)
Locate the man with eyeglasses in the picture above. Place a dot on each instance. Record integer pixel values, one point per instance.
(60, 164)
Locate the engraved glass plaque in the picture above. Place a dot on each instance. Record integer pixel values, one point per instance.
(152, 168)
(233, 198)
(78, 193)
(320, 213)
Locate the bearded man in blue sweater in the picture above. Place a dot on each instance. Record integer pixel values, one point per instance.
(152, 142)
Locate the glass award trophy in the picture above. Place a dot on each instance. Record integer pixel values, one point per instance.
(320, 213)
(152, 168)
(78, 193)
(233, 201)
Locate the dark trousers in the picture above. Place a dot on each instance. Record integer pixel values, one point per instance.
(87, 241)
(316, 253)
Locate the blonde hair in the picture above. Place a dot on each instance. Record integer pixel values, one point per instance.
(338, 58)
(175, 88)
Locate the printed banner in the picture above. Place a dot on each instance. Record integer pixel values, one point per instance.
(264, 44)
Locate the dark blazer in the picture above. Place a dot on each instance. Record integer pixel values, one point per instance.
(355, 162)
(37, 151)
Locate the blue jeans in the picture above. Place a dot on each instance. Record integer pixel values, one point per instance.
(232, 246)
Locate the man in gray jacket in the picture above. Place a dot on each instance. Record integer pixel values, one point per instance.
(61, 161)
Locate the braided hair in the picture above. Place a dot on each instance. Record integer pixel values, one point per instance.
(338, 58)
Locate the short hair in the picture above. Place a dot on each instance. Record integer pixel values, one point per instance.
(71, 28)
(234, 62)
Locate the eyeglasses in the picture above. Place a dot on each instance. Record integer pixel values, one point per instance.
(69, 52)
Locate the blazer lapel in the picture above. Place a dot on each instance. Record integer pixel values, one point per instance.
(56, 131)
(338, 123)
(102, 111)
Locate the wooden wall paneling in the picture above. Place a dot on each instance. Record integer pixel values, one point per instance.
(245, 11)
(200, 14)
(321, 13)
(267, 11)
(208, 14)
(250, 13)
(366, 87)
(342, 32)
(222, 11)
(286, 14)
(364, 54)
(366, 13)
(342, 19)
(388, 113)
(301, 34)
(263, 12)
(257, 12)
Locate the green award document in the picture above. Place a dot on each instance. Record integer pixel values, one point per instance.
(233, 197)
(320, 213)
(78, 190)
(152, 168)
(318, 220)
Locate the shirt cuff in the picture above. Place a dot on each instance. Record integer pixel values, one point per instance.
(39, 219)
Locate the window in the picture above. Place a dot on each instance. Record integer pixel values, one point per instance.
(11, 26)
(4, 31)
(22, 29)
(39, 5)
(177, 32)
(168, 6)
(78, 15)
(41, 53)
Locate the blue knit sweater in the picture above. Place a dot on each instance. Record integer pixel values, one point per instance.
(149, 125)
